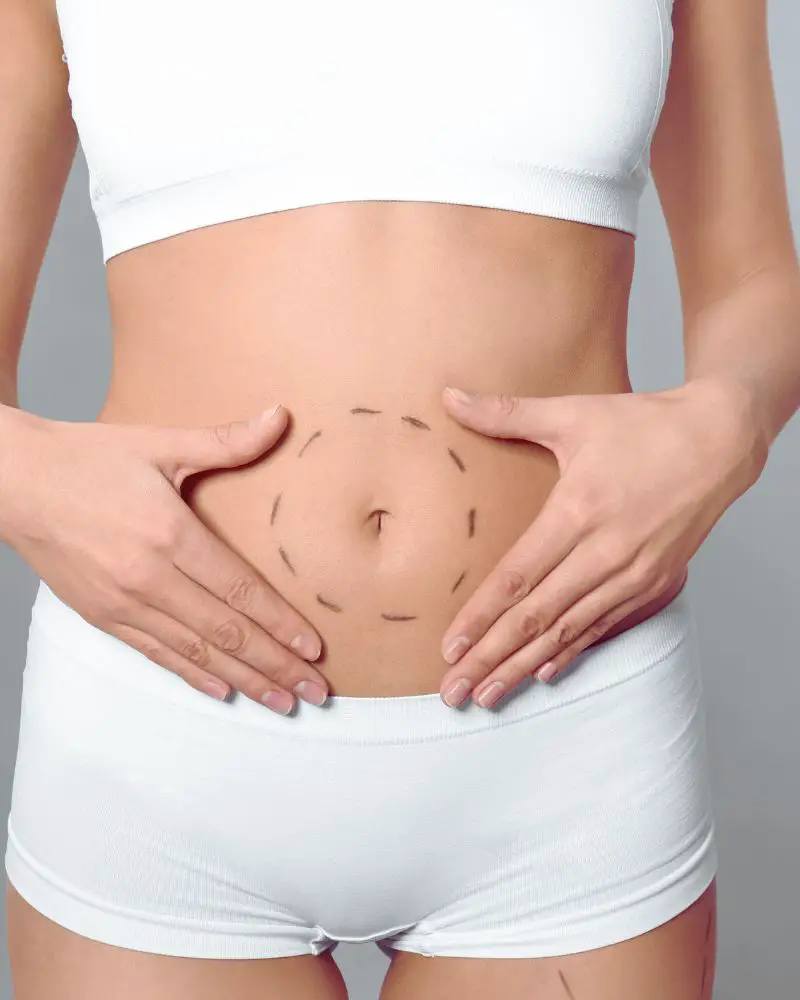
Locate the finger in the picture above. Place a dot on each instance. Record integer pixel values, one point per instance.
(530, 619)
(180, 650)
(206, 559)
(222, 628)
(584, 623)
(546, 544)
(166, 657)
(539, 419)
(182, 452)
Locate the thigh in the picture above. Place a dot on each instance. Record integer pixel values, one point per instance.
(675, 961)
(78, 968)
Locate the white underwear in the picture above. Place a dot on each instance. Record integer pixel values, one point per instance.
(147, 815)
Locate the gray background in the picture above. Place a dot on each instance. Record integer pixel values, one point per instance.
(744, 582)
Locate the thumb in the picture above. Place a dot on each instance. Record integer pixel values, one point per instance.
(539, 419)
(222, 446)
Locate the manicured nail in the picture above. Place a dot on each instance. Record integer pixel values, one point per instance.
(309, 691)
(216, 690)
(459, 395)
(546, 672)
(278, 701)
(307, 647)
(456, 693)
(456, 648)
(265, 416)
(492, 694)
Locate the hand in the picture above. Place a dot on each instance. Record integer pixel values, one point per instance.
(644, 478)
(96, 510)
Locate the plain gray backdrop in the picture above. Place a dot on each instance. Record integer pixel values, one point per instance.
(744, 582)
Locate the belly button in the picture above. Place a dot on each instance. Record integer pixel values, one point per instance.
(376, 520)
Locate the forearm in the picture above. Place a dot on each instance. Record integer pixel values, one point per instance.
(8, 388)
(749, 343)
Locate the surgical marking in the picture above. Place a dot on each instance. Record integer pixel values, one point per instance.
(286, 560)
(316, 434)
(328, 604)
(458, 582)
(415, 422)
(471, 522)
(364, 409)
(564, 983)
(456, 459)
(399, 618)
(275, 506)
(708, 926)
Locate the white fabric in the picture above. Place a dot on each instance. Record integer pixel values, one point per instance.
(147, 815)
(192, 113)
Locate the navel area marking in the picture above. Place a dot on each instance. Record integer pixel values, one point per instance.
(449, 455)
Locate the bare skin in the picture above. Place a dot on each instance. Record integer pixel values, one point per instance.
(374, 307)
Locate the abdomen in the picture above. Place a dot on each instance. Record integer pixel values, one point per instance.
(377, 514)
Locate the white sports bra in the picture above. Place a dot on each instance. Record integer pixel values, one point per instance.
(195, 112)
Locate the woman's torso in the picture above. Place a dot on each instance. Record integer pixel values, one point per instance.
(373, 308)
(366, 149)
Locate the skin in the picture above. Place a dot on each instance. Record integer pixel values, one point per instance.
(542, 305)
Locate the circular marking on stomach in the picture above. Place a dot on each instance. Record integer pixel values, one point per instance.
(417, 424)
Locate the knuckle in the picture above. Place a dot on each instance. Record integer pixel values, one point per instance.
(139, 577)
(241, 593)
(196, 651)
(613, 549)
(565, 633)
(230, 636)
(529, 624)
(514, 584)
(643, 575)
(152, 650)
(221, 434)
(507, 405)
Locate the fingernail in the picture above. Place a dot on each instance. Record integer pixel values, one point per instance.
(307, 647)
(309, 691)
(546, 672)
(459, 395)
(456, 648)
(456, 693)
(492, 694)
(278, 701)
(267, 415)
(216, 690)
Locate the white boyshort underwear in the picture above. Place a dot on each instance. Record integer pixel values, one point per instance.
(149, 816)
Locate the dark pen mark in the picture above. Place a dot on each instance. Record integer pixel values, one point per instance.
(456, 459)
(564, 983)
(399, 618)
(286, 560)
(708, 926)
(316, 434)
(416, 422)
(472, 522)
(275, 506)
(458, 582)
(363, 409)
(328, 604)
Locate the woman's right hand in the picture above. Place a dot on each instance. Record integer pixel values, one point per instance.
(96, 510)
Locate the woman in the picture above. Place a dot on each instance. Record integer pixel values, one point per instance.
(260, 711)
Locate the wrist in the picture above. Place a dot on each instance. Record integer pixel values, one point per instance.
(733, 402)
(17, 430)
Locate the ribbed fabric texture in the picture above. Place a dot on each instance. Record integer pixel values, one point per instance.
(58, 630)
(560, 823)
(195, 114)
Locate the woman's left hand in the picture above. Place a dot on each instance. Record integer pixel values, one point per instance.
(643, 479)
